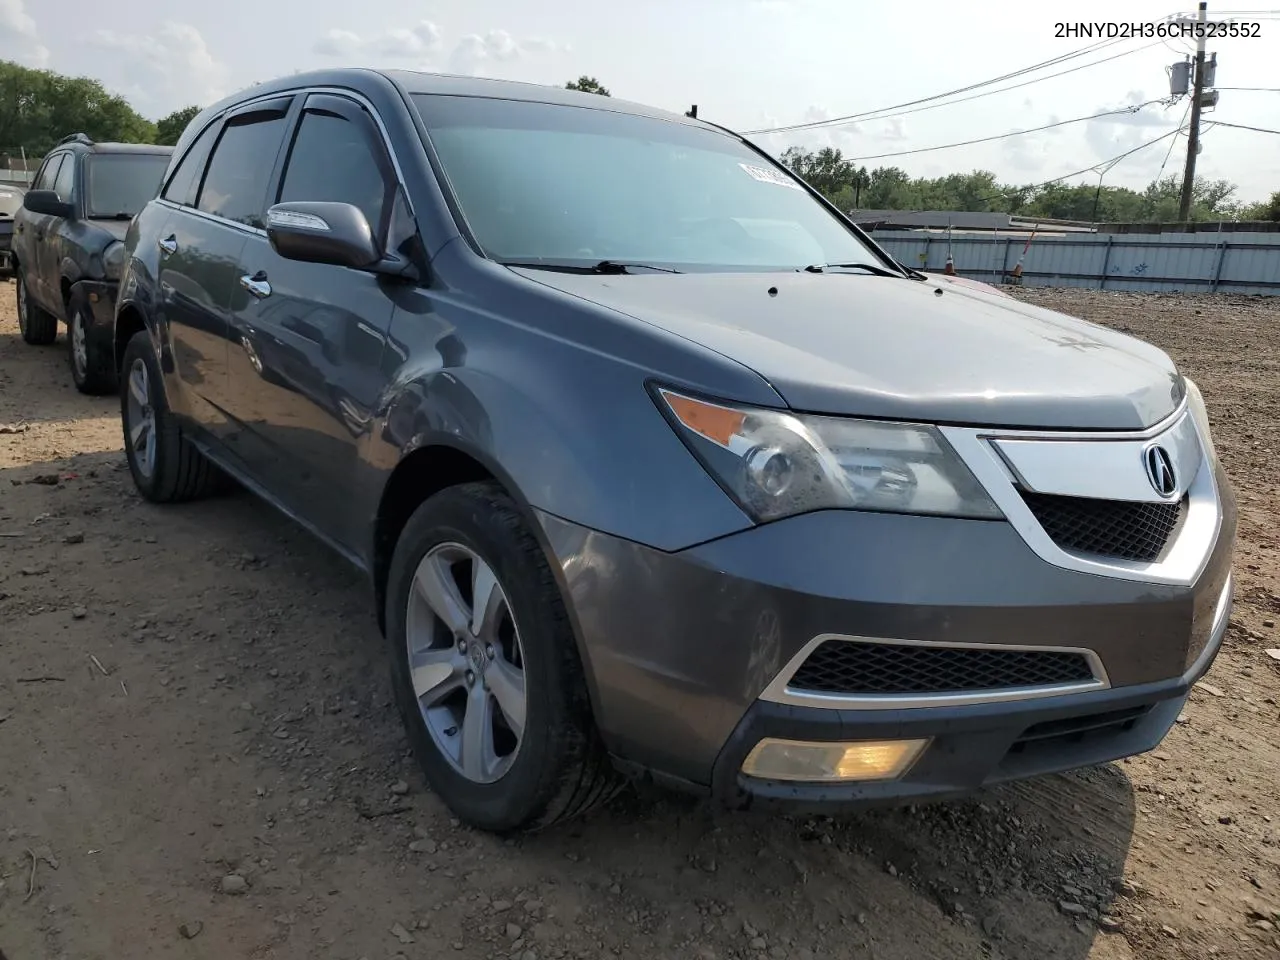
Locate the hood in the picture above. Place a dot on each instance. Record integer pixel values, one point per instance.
(859, 345)
(118, 229)
(968, 283)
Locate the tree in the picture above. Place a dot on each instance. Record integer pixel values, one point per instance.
(588, 85)
(1264, 210)
(827, 171)
(169, 129)
(39, 107)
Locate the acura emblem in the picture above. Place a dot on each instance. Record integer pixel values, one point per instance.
(1160, 470)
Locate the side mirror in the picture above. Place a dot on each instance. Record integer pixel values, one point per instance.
(48, 203)
(314, 232)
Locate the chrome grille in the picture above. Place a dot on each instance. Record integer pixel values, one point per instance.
(1120, 529)
(852, 668)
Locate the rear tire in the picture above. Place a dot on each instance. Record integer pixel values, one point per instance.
(558, 767)
(38, 327)
(166, 468)
(91, 372)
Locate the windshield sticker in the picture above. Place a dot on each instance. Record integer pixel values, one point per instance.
(765, 175)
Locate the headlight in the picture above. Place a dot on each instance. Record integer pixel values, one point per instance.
(1195, 400)
(776, 464)
(113, 260)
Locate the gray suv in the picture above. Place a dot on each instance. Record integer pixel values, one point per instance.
(655, 464)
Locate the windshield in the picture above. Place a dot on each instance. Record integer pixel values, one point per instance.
(121, 184)
(545, 183)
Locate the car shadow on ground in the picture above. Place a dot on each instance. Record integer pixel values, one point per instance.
(1023, 870)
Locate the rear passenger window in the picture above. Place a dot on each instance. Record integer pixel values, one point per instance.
(334, 160)
(186, 178)
(236, 185)
(65, 184)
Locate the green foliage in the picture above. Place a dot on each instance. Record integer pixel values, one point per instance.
(170, 128)
(892, 188)
(588, 85)
(1265, 210)
(39, 107)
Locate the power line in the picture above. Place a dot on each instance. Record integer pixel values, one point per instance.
(1105, 163)
(1015, 133)
(1014, 86)
(1174, 142)
(1252, 89)
(1241, 126)
(1092, 48)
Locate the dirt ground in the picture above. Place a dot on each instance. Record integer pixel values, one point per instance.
(196, 692)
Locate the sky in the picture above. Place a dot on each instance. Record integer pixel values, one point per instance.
(747, 64)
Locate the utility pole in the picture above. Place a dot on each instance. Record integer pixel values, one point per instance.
(1193, 134)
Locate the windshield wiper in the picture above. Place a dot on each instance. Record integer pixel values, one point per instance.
(604, 266)
(616, 266)
(111, 216)
(869, 267)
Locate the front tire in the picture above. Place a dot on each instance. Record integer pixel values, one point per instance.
(495, 703)
(38, 327)
(91, 372)
(166, 468)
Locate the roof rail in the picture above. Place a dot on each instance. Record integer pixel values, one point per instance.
(76, 138)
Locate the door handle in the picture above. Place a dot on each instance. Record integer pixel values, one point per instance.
(168, 245)
(257, 284)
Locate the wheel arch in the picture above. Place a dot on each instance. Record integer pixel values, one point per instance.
(129, 321)
(435, 464)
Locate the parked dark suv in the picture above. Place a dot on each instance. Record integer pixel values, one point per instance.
(655, 463)
(68, 249)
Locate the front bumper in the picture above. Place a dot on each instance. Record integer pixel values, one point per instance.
(678, 648)
(970, 747)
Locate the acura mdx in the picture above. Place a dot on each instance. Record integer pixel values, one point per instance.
(655, 463)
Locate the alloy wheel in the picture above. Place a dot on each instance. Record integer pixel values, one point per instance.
(466, 662)
(79, 348)
(140, 418)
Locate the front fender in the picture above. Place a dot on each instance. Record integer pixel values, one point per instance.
(592, 449)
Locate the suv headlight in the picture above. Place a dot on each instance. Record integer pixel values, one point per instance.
(113, 260)
(776, 464)
(1195, 400)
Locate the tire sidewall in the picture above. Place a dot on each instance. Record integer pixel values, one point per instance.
(140, 347)
(75, 317)
(23, 297)
(529, 783)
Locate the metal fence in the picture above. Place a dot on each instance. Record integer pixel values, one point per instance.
(1172, 263)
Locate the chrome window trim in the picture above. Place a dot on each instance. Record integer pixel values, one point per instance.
(303, 92)
(780, 691)
(1188, 553)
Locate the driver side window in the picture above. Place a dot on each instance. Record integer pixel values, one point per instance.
(334, 160)
(65, 184)
(48, 173)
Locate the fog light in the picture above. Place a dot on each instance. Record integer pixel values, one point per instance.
(865, 760)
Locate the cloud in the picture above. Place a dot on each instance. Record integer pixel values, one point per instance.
(1111, 136)
(18, 38)
(419, 42)
(162, 71)
(843, 137)
(422, 46)
(894, 130)
(474, 53)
